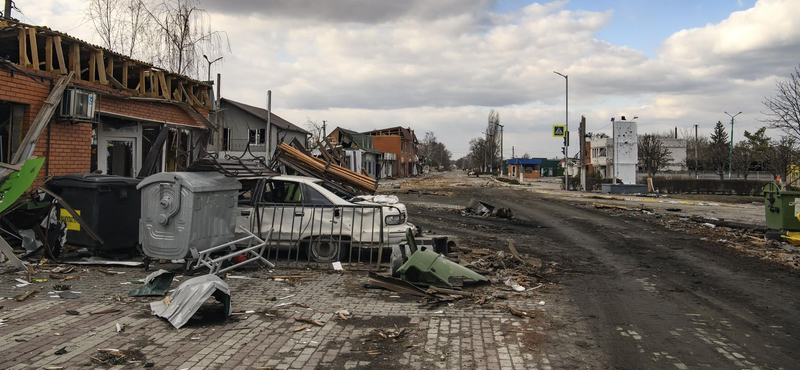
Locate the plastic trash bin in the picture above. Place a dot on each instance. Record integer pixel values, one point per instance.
(111, 205)
(779, 207)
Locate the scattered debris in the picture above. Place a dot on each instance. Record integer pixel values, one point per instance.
(479, 208)
(73, 312)
(299, 328)
(514, 285)
(155, 284)
(115, 357)
(119, 327)
(26, 295)
(426, 267)
(110, 310)
(308, 321)
(189, 296)
(61, 351)
(68, 294)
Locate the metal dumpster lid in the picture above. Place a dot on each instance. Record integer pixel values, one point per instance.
(196, 182)
(93, 179)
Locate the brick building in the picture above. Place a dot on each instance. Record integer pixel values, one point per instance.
(111, 112)
(403, 143)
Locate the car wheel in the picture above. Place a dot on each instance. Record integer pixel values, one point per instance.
(327, 250)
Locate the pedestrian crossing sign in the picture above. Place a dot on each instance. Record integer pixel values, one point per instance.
(559, 130)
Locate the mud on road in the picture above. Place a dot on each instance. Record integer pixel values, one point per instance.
(651, 298)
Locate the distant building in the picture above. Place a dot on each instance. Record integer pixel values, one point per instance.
(245, 124)
(359, 151)
(677, 151)
(602, 155)
(403, 143)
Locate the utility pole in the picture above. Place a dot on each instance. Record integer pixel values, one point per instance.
(512, 152)
(324, 130)
(502, 166)
(696, 159)
(730, 153)
(582, 142)
(210, 62)
(7, 11)
(217, 121)
(566, 132)
(613, 152)
(269, 123)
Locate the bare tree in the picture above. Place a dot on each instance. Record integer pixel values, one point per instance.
(743, 158)
(177, 32)
(652, 154)
(316, 133)
(186, 35)
(783, 109)
(121, 25)
(493, 139)
(782, 155)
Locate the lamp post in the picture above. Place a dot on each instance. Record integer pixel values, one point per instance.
(566, 132)
(210, 62)
(730, 153)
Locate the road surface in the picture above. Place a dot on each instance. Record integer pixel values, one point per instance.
(652, 298)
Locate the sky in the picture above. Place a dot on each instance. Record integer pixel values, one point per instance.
(442, 65)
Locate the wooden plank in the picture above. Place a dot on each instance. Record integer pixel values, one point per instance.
(113, 80)
(125, 66)
(48, 54)
(169, 85)
(23, 48)
(196, 101)
(163, 82)
(75, 60)
(101, 67)
(206, 100)
(110, 67)
(34, 48)
(141, 80)
(59, 55)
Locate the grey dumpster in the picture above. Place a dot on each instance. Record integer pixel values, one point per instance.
(184, 210)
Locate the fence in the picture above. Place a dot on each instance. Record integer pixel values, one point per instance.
(305, 234)
(709, 175)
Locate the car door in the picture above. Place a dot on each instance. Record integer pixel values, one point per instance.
(281, 207)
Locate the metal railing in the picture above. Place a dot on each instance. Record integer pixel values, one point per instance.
(305, 234)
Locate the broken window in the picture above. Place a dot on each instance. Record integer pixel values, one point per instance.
(10, 129)
(262, 136)
(226, 137)
(282, 192)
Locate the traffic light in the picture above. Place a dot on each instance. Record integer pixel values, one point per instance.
(563, 150)
(566, 138)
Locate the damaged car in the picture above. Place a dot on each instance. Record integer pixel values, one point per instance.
(308, 215)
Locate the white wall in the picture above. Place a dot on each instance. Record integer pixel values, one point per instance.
(627, 151)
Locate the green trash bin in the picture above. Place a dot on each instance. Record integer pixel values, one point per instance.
(779, 207)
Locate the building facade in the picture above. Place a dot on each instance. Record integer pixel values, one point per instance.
(244, 124)
(403, 143)
(111, 113)
(359, 152)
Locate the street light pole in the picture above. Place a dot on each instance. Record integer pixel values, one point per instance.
(502, 166)
(730, 153)
(210, 62)
(566, 132)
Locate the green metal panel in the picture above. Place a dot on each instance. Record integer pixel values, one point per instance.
(426, 267)
(779, 208)
(19, 182)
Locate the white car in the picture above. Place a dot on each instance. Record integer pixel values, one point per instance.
(309, 217)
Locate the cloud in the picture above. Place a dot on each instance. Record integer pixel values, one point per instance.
(442, 65)
(357, 11)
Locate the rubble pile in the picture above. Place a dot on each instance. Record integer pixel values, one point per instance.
(750, 240)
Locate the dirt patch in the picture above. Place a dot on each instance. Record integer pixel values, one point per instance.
(385, 340)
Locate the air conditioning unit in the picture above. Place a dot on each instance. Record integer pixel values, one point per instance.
(78, 104)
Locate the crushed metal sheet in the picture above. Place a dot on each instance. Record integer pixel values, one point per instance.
(189, 296)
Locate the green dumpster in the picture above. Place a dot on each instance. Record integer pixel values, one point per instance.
(779, 207)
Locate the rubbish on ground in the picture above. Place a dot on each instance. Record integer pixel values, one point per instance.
(61, 351)
(105, 262)
(114, 357)
(68, 295)
(337, 266)
(479, 208)
(608, 206)
(295, 276)
(238, 277)
(288, 296)
(514, 285)
(189, 296)
(22, 283)
(110, 310)
(708, 224)
(433, 290)
(26, 295)
(343, 314)
(398, 285)
(73, 312)
(61, 287)
(155, 284)
(299, 328)
(308, 321)
(426, 267)
(7, 251)
(119, 327)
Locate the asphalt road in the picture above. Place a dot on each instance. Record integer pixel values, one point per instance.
(653, 298)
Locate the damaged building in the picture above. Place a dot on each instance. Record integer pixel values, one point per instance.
(109, 116)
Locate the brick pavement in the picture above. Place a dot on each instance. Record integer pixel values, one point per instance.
(462, 335)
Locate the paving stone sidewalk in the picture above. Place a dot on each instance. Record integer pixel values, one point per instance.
(461, 335)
